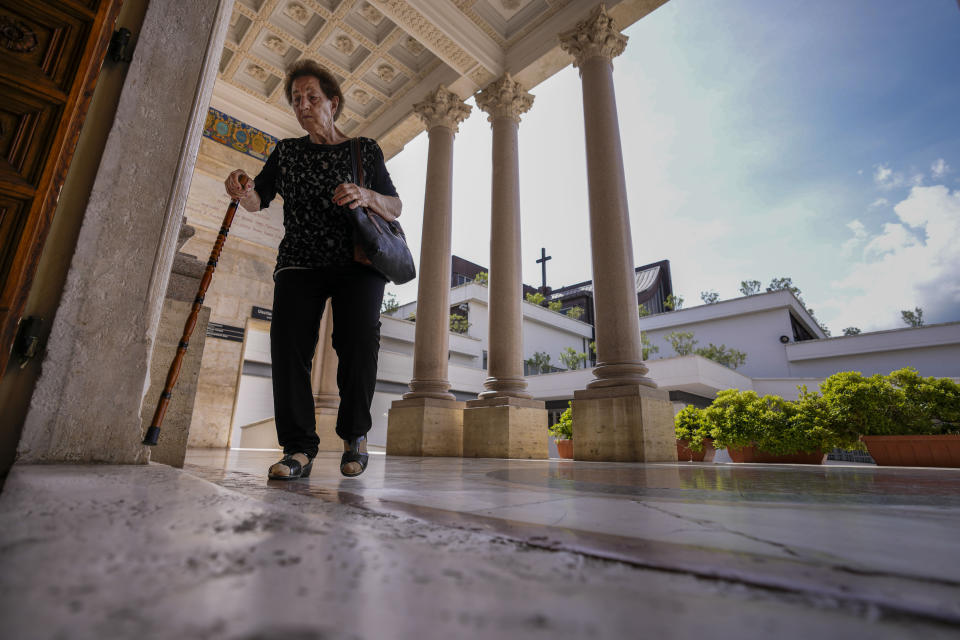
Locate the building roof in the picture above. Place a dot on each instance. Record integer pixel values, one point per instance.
(647, 277)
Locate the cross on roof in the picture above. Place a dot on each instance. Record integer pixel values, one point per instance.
(543, 263)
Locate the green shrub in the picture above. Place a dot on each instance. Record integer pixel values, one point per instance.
(691, 425)
(847, 406)
(742, 418)
(563, 429)
(458, 323)
(902, 403)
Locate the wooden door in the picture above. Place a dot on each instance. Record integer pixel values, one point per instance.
(50, 56)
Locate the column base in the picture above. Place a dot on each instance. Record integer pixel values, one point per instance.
(425, 427)
(505, 427)
(327, 429)
(631, 423)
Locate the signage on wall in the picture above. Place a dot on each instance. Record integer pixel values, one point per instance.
(262, 313)
(224, 332)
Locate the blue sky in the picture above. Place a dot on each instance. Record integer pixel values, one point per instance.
(815, 139)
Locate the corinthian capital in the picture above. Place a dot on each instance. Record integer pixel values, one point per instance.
(442, 108)
(597, 35)
(504, 98)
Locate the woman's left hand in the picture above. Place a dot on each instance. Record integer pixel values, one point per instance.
(351, 195)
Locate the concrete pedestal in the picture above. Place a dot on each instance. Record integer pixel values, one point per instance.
(632, 423)
(327, 429)
(505, 427)
(425, 427)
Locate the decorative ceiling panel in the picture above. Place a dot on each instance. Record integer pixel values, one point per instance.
(375, 61)
(384, 53)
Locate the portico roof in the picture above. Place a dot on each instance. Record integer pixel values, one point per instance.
(388, 54)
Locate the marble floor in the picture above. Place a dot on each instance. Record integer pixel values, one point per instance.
(441, 547)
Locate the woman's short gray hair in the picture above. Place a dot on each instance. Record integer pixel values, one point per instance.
(328, 82)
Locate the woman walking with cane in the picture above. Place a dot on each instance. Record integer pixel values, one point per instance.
(316, 263)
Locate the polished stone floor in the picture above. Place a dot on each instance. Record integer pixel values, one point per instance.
(440, 547)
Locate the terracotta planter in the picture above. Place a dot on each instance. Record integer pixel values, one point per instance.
(686, 454)
(914, 451)
(751, 454)
(565, 449)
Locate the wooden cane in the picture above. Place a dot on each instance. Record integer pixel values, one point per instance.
(153, 432)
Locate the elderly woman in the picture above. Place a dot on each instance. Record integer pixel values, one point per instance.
(316, 263)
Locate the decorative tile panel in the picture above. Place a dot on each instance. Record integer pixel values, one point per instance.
(241, 137)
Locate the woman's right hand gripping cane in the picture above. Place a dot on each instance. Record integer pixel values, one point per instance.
(249, 198)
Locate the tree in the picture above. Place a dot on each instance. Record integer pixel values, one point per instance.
(555, 305)
(749, 287)
(783, 284)
(535, 298)
(786, 284)
(730, 358)
(642, 310)
(458, 323)
(538, 361)
(572, 359)
(389, 304)
(673, 303)
(482, 278)
(575, 312)
(648, 347)
(709, 297)
(412, 317)
(681, 341)
(912, 318)
(851, 331)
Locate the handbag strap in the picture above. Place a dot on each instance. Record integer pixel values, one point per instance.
(357, 161)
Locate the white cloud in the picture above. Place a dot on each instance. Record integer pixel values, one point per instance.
(859, 235)
(900, 270)
(886, 178)
(893, 238)
(882, 176)
(879, 202)
(939, 168)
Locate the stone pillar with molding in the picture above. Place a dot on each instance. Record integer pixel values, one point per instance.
(323, 380)
(505, 421)
(428, 421)
(621, 415)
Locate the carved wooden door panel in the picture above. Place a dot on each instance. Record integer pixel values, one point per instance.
(50, 56)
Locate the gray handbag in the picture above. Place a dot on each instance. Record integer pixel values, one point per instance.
(379, 243)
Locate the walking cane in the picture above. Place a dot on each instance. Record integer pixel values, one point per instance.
(153, 432)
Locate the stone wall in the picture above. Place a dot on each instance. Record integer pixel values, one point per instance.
(86, 405)
(244, 278)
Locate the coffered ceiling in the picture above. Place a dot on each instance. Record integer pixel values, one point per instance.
(388, 54)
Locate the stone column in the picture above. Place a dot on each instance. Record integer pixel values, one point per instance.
(605, 427)
(323, 378)
(505, 422)
(429, 420)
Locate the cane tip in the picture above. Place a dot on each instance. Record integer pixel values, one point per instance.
(153, 435)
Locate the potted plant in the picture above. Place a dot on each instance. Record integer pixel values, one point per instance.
(694, 443)
(903, 418)
(562, 433)
(771, 429)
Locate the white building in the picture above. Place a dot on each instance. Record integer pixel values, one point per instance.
(785, 348)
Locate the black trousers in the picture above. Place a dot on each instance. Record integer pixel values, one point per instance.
(299, 296)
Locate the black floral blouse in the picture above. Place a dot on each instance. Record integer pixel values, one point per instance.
(318, 233)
